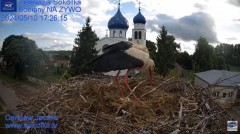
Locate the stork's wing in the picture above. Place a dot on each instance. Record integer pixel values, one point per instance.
(120, 46)
(115, 61)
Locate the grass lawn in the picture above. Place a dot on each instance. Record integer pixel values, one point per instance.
(189, 74)
(234, 68)
(52, 78)
(11, 81)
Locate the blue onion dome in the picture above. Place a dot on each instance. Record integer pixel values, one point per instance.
(139, 18)
(118, 21)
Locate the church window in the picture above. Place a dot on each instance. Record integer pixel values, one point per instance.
(230, 94)
(120, 34)
(135, 35)
(140, 34)
(224, 95)
(104, 47)
(114, 33)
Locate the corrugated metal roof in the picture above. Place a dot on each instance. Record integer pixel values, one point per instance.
(220, 77)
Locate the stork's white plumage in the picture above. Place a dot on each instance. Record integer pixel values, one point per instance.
(123, 55)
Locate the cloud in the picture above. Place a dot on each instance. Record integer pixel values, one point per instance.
(200, 6)
(59, 45)
(187, 28)
(236, 19)
(231, 39)
(71, 26)
(47, 36)
(234, 2)
(52, 41)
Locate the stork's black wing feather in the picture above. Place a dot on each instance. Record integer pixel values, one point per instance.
(120, 46)
(115, 61)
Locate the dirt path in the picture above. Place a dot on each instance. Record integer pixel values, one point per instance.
(9, 96)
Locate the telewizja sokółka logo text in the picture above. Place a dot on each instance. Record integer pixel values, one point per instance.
(43, 10)
(47, 6)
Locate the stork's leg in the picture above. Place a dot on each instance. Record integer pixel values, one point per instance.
(119, 87)
(150, 76)
(127, 86)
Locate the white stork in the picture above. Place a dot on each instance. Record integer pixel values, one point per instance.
(121, 56)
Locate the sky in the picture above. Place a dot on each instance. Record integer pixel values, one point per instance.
(187, 20)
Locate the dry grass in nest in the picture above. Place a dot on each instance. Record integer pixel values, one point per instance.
(92, 104)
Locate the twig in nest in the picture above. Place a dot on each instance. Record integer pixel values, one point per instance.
(135, 88)
(156, 87)
(83, 98)
(94, 123)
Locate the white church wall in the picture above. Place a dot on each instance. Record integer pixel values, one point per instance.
(119, 33)
(139, 26)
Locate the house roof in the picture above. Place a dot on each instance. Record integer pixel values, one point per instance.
(220, 78)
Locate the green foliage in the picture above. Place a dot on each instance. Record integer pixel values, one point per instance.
(21, 55)
(165, 56)
(204, 55)
(221, 64)
(85, 50)
(151, 48)
(185, 60)
(62, 55)
(231, 53)
(234, 68)
(2, 124)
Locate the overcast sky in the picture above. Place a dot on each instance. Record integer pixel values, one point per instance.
(187, 20)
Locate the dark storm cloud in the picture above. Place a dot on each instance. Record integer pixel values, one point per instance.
(234, 2)
(188, 27)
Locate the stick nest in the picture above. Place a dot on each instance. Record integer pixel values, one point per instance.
(92, 104)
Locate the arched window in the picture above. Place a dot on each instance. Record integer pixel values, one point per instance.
(114, 33)
(140, 34)
(135, 35)
(120, 34)
(104, 47)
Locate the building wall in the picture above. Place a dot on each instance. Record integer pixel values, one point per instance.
(64, 63)
(200, 82)
(139, 28)
(118, 33)
(225, 94)
(109, 41)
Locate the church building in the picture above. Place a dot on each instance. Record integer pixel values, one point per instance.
(118, 26)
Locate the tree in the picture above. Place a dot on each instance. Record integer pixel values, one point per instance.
(21, 55)
(165, 56)
(184, 59)
(231, 53)
(151, 48)
(85, 50)
(204, 55)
